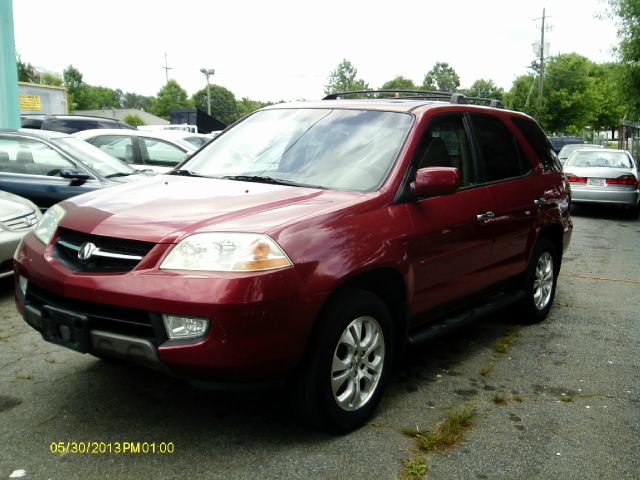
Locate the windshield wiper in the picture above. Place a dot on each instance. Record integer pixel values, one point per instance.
(121, 174)
(270, 180)
(184, 173)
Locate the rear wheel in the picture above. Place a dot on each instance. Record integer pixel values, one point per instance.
(540, 281)
(349, 363)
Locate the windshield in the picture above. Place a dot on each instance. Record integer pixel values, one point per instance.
(337, 149)
(584, 158)
(94, 158)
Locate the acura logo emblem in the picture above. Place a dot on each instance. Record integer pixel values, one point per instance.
(86, 251)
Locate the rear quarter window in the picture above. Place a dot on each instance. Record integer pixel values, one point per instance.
(539, 142)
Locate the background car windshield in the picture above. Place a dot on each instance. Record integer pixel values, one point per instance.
(583, 158)
(93, 157)
(337, 149)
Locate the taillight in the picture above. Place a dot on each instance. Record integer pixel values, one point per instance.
(574, 179)
(623, 180)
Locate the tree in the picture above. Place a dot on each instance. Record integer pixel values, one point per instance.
(170, 97)
(75, 86)
(247, 106)
(133, 100)
(441, 77)
(522, 96)
(610, 94)
(485, 89)
(49, 78)
(570, 100)
(95, 97)
(399, 83)
(26, 71)
(223, 103)
(343, 79)
(629, 49)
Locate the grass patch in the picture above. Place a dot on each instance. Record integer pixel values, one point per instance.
(566, 398)
(24, 376)
(518, 398)
(486, 371)
(503, 344)
(499, 398)
(414, 468)
(449, 432)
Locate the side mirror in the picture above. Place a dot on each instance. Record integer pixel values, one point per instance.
(76, 176)
(436, 181)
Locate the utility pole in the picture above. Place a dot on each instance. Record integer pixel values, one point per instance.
(541, 90)
(166, 68)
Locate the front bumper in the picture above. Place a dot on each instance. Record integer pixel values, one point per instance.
(259, 326)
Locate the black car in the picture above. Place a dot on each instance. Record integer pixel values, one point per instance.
(47, 167)
(69, 123)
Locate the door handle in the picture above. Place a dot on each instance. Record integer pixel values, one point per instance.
(483, 217)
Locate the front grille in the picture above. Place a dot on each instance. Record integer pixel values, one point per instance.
(108, 254)
(20, 221)
(108, 318)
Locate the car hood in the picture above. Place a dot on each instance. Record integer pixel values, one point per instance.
(10, 209)
(166, 208)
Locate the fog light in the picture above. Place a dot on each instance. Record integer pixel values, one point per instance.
(22, 285)
(184, 327)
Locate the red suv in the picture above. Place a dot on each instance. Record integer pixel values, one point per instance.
(308, 244)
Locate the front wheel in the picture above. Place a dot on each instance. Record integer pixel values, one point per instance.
(349, 362)
(540, 281)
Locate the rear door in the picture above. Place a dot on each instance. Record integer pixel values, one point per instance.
(507, 174)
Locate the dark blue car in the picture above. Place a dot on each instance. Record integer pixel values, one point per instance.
(47, 167)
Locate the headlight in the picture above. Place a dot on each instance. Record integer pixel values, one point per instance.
(47, 226)
(226, 252)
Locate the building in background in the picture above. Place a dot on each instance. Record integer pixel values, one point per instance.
(42, 99)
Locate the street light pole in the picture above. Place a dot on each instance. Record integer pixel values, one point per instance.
(207, 72)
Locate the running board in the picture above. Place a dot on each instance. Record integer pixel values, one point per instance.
(450, 323)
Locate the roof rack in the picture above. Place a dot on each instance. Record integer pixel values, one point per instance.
(457, 98)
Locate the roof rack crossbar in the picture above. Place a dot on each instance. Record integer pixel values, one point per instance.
(457, 98)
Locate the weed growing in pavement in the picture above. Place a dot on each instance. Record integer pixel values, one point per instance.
(448, 433)
(504, 343)
(499, 398)
(414, 468)
(566, 398)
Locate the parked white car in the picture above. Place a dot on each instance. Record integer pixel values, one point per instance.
(159, 151)
(18, 216)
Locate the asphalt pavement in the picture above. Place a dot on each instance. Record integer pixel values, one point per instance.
(562, 401)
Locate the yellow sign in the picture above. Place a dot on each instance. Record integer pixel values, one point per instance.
(30, 102)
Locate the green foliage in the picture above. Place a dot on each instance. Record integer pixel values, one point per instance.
(223, 103)
(628, 12)
(26, 72)
(170, 97)
(343, 79)
(522, 95)
(133, 120)
(441, 77)
(399, 83)
(570, 99)
(609, 89)
(53, 79)
(133, 100)
(247, 106)
(485, 89)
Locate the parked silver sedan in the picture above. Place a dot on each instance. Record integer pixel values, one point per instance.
(604, 176)
(18, 216)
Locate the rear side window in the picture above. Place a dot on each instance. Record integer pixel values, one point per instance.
(539, 142)
(500, 156)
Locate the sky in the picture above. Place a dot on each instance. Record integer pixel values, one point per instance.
(286, 49)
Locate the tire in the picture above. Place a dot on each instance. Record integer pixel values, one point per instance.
(349, 363)
(540, 281)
